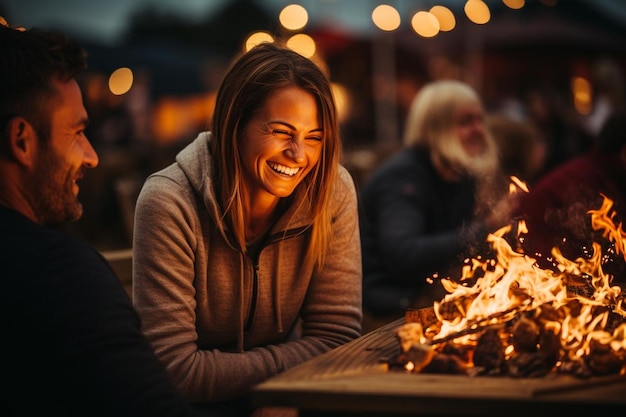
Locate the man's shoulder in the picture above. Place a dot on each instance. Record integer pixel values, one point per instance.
(27, 248)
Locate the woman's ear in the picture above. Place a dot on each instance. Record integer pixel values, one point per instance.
(22, 140)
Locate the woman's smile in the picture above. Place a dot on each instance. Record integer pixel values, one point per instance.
(281, 144)
(283, 169)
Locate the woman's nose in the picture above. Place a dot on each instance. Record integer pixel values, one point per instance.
(295, 151)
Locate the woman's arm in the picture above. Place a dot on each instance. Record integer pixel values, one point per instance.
(166, 258)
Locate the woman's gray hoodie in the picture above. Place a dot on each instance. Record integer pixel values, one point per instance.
(220, 320)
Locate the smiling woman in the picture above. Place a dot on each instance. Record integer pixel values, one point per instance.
(246, 249)
(280, 146)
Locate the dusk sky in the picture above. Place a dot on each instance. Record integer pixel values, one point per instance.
(106, 20)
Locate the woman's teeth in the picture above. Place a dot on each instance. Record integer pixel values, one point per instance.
(283, 169)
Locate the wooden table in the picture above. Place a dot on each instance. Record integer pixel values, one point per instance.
(353, 380)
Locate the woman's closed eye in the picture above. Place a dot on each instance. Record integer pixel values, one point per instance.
(317, 138)
(285, 133)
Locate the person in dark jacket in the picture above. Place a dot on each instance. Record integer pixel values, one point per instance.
(431, 205)
(72, 342)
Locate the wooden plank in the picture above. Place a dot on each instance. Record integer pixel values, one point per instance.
(354, 379)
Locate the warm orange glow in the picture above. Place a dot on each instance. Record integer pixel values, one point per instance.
(175, 118)
(257, 38)
(516, 184)
(95, 88)
(120, 81)
(302, 44)
(512, 285)
(514, 4)
(446, 19)
(386, 17)
(425, 24)
(293, 17)
(602, 219)
(582, 93)
(477, 11)
(342, 101)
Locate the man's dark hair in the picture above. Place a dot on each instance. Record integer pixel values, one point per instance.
(29, 61)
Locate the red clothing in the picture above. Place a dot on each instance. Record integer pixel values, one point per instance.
(556, 208)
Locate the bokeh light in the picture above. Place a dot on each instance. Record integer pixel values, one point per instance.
(302, 44)
(514, 4)
(582, 93)
(120, 81)
(447, 22)
(477, 11)
(425, 24)
(386, 18)
(293, 17)
(257, 38)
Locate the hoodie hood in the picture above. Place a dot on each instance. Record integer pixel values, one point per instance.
(197, 164)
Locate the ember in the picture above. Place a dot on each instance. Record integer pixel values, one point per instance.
(507, 316)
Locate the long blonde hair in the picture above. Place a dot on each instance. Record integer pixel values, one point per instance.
(430, 125)
(251, 79)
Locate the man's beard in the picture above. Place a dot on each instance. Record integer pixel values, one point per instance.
(476, 166)
(53, 199)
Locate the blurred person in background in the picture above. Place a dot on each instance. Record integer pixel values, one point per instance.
(555, 119)
(73, 344)
(609, 94)
(246, 254)
(556, 208)
(431, 205)
(521, 149)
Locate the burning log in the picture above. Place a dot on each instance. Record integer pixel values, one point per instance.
(519, 320)
(536, 358)
(489, 354)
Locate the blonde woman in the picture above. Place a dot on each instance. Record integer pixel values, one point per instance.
(424, 209)
(246, 254)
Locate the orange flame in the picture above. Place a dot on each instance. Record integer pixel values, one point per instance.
(513, 283)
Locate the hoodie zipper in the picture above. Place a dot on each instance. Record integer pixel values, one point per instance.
(255, 266)
(255, 290)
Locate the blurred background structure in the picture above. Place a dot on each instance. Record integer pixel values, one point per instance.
(556, 65)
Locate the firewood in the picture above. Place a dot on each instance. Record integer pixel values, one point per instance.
(420, 356)
(579, 285)
(525, 335)
(528, 365)
(425, 316)
(446, 364)
(489, 352)
(410, 334)
(549, 347)
(602, 360)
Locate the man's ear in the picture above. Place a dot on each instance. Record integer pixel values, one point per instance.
(22, 140)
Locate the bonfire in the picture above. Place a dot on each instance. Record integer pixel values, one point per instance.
(508, 316)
